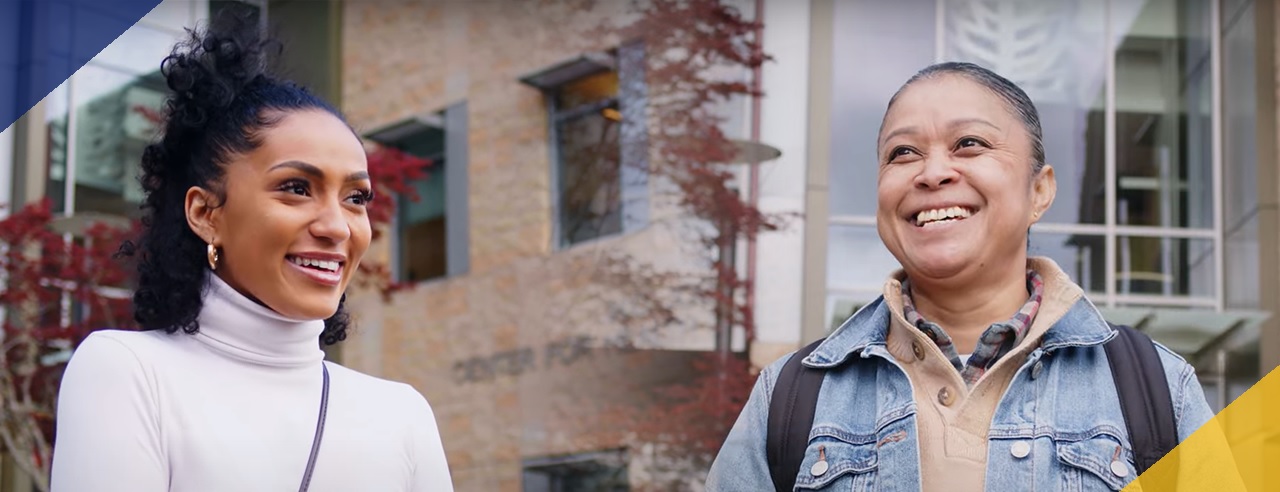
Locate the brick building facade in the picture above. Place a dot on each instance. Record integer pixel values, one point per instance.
(508, 346)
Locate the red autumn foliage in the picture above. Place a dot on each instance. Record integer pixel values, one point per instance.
(393, 172)
(699, 56)
(689, 43)
(55, 291)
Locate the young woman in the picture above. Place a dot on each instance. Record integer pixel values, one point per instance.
(978, 368)
(256, 221)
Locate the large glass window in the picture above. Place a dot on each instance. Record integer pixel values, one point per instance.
(100, 120)
(1163, 117)
(1240, 157)
(587, 128)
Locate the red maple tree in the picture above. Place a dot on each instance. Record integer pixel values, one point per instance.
(55, 289)
(700, 54)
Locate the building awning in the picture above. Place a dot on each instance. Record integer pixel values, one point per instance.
(575, 68)
(396, 131)
(1192, 333)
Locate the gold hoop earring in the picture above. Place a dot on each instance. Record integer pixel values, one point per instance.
(213, 256)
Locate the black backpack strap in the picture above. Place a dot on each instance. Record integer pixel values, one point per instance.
(791, 407)
(1144, 396)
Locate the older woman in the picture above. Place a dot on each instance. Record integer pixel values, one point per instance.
(979, 368)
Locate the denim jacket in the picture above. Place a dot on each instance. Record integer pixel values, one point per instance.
(1057, 426)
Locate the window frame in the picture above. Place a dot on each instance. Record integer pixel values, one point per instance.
(617, 459)
(453, 121)
(628, 60)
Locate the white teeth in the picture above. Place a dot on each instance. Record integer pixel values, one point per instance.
(941, 214)
(321, 264)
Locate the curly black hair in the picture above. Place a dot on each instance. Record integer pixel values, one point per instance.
(222, 98)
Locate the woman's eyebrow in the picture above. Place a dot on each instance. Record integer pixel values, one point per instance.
(953, 124)
(968, 121)
(908, 130)
(316, 172)
(305, 167)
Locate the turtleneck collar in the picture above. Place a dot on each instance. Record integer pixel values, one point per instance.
(237, 326)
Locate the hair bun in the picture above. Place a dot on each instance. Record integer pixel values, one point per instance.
(210, 69)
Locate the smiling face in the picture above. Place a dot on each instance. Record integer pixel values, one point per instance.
(956, 188)
(293, 226)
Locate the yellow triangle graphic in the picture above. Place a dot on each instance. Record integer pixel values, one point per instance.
(1239, 449)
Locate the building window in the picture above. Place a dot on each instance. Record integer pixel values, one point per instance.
(600, 472)
(100, 119)
(599, 144)
(431, 233)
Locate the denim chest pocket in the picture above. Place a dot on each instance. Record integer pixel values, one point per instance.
(1097, 463)
(838, 461)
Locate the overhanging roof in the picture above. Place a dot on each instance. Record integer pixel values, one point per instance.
(565, 71)
(1191, 332)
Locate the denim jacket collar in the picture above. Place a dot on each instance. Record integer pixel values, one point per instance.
(1081, 325)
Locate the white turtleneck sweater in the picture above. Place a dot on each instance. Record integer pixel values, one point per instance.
(233, 408)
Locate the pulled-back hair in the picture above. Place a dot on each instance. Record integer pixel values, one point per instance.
(222, 99)
(1013, 96)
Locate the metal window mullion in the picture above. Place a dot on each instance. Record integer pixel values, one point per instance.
(1164, 232)
(1109, 163)
(457, 190)
(4, 284)
(1125, 230)
(940, 31)
(69, 179)
(1165, 301)
(1215, 84)
(553, 134)
(397, 238)
(64, 303)
(853, 293)
(584, 109)
(852, 220)
(6, 168)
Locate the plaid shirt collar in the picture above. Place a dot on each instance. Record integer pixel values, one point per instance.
(998, 340)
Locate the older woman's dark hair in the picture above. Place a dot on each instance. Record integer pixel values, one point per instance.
(222, 100)
(1012, 95)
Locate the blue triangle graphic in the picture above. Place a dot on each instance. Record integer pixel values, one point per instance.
(42, 42)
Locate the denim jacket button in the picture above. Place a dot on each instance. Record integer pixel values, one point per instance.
(945, 397)
(818, 469)
(1020, 449)
(1119, 469)
(1035, 370)
(915, 349)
